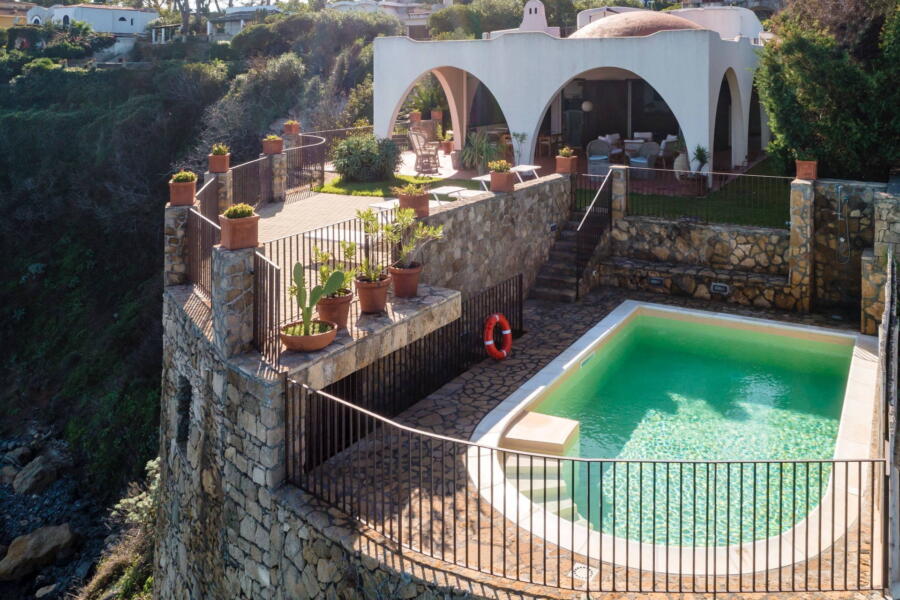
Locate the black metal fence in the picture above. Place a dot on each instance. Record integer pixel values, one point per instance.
(267, 296)
(252, 182)
(333, 136)
(208, 200)
(594, 218)
(305, 167)
(740, 199)
(601, 525)
(202, 235)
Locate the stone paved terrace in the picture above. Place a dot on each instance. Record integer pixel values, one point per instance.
(455, 410)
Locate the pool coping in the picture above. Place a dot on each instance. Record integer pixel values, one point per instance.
(855, 441)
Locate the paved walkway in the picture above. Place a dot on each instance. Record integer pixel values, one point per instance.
(283, 219)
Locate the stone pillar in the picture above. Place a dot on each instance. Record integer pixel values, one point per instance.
(226, 190)
(175, 251)
(232, 300)
(619, 194)
(800, 255)
(277, 170)
(291, 140)
(874, 277)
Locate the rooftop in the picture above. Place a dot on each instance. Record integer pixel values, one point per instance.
(634, 24)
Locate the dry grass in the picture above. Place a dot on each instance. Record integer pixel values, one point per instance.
(124, 566)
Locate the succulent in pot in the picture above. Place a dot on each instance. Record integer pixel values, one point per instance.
(272, 144)
(219, 158)
(308, 334)
(502, 179)
(415, 116)
(412, 196)
(240, 227)
(372, 279)
(437, 114)
(447, 142)
(566, 161)
(182, 188)
(409, 237)
(807, 165)
(291, 127)
(335, 307)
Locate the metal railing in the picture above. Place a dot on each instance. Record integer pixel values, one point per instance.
(333, 136)
(889, 347)
(202, 235)
(602, 525)
(267, 297)
(251, 182)
(305, 166)
(595, 218)
(728, 198)
(208, 200)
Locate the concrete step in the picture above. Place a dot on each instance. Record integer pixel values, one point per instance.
(549, 277)
(518, 466)
(565, 255)
(564, 508)
(551, 293)
(539, 489)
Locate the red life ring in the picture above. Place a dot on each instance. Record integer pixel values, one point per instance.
(492, 350)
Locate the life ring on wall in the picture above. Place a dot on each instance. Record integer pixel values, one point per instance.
(489, 345)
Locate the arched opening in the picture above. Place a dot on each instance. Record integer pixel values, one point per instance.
(36, 21)
(722, 134)
(65, 20)
(754, 130)
(469, 114)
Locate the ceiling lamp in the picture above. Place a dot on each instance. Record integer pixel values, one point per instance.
(587, 106)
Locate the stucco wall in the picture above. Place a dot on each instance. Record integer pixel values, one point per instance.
(492, 237)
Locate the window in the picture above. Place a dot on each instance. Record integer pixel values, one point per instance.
(65, 20)
(122, 19)
(183, 399)
(36, 21)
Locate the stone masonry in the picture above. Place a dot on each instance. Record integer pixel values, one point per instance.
(174, 250)
(279, 176)
(802, 232)
(232, 299)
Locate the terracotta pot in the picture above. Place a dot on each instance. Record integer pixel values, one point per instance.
(437, 115)
(417, 203)
(182, 193)
(373, 295)
(291, 128)
(566, 164)
(336, 309)
(415, 116)
(239, 233)
(502, 182)
(406, 281)
(309, 343)
(219, 163)
(807, 169)
(273, 146)
(447, 146)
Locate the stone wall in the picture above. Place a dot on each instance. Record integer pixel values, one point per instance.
(837, 265)
(490, 238)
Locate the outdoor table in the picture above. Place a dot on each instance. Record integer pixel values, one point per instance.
(484, 180)
(519, 169)
(633, 146)
(445, 190)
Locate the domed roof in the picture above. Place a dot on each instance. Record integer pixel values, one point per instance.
(637, 23)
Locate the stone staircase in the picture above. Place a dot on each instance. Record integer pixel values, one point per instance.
(557, 278)
(542, 483)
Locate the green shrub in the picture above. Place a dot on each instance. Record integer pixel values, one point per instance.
(566, 152)
(238, 211)
(184, 176)
(272, 138)
(365, 158)
(499, 166)
(220, 149)
(292, 122)
(410, 189)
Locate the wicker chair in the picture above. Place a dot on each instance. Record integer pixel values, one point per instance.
(598, 157)
(645, 159)
(616, 148)
(427, 159)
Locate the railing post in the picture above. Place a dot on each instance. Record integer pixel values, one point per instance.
(232, 300)
(801, 259)
(224, 187)
(175, 251)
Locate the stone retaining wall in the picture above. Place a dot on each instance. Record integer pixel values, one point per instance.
(489, 238)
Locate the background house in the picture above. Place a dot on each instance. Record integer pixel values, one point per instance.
(234, 20)
(118, 20)
(413, 15)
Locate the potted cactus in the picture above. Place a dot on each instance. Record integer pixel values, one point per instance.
(566, 161)
(219, 159)
(409, 236)
(502, 179)
(807, 165)
(291, 127)
(240, 227)
(412, 196)
(182, 188)
(335, 307)
(272, 144)
(308, 334)
(372, 278)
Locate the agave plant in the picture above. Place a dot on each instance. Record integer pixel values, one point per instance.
(479, 151)
(307, 301)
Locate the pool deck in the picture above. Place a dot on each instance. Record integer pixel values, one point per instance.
(456, 409)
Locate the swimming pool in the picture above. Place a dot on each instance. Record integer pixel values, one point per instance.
(705, 430)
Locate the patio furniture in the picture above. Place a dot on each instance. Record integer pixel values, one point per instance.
(632, 147)
(526, 169)
(645, 159)
(484, 180)
(427, 159)
(598, 153)
(647, 136)
(616, 150)
(550, 142)
(454, 191)
(667, 151)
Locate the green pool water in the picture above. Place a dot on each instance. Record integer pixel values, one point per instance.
(664, 389)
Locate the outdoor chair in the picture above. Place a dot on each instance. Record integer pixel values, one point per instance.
(427, 158)
(616, 149)
(598, 153)
(667, 151)
(645, 159)
(643, 135)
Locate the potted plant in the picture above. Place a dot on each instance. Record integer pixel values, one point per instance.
(308, 334)
(566, 161)
(447, 143)
(291, 127)
(701, 157)
(219, 159)
(479, 151)
(412, 196)
(240, 227)
(182, 188)
(371, 278)
(437, 114)
(807, 165)
(335, 307)
(502, 180)
(272, 144)
(415, 116)
(410, 236)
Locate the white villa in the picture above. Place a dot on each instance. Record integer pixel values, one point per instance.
(118, 20)
(622, 72)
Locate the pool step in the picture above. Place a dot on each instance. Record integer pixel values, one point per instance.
(565, 508)
(519, 466)
(540, 489)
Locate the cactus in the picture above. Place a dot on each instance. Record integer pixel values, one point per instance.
(306, 301)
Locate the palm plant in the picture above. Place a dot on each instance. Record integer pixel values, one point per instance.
(479, 151)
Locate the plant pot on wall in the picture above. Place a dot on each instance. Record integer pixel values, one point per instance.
(291, 128)
(566, 164)
(418, 203)
(239, 233)
(308, 343)
(437, 115)
(807, 169)
(181, 193)
(447, 146)
(406, 281)
(373, 294)
(273, 146)
(502, 182)
(415, 116)
(219, 163)
(336, 308)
